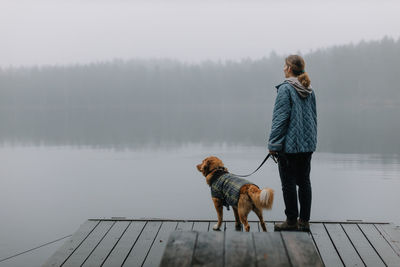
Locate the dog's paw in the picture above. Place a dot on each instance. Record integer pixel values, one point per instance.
(216, 228)
(238, 227)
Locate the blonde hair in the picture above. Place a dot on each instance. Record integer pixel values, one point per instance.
(297, 64)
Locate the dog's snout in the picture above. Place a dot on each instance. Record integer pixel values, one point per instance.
(199, 167)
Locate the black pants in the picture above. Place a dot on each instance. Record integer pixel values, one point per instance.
(294, 169)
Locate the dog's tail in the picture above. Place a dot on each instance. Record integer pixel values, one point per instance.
(263, 199)
(267, 198)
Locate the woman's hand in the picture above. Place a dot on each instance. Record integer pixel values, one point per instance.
(273, 153)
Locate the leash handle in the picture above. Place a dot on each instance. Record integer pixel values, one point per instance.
(262, 163)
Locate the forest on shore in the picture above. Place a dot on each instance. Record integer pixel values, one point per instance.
(134, 103)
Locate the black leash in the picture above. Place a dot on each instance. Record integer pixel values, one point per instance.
(262, 163)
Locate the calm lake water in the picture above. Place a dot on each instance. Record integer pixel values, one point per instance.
(47, 192)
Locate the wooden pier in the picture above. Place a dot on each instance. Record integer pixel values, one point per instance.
(130, 242)
(237, 249)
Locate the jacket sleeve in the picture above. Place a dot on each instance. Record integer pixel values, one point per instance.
(314, 108)
(280, 119)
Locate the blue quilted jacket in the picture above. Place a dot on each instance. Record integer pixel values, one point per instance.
(294, 121)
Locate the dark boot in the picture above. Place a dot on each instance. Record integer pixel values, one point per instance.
(286, 226)
(303, 226)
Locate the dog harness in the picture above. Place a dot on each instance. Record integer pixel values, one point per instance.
(227, 188)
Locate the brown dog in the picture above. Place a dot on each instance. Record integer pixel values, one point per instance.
(230, 190)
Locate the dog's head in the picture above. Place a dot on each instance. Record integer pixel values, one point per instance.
(209, 165)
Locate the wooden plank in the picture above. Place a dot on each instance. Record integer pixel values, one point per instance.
(101, 252)
(179, 249)
(392, 235)
(254, 227)
(212, 223)
(184, 226)
(142, 246)
(347, 252)
(362, 245)
(181, 220)
(301, 249)
(125, 244)
(201, 226)
(209, 249)
(157, 249)
(230, 226)
(327, 251)
(71, 244)
(89, 244)
(270, 226)
(239, 249)
(380, 244)
(270, 250)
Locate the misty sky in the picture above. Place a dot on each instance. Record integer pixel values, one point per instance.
(79, 31)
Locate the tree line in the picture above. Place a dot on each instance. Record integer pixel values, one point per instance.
(131, 103)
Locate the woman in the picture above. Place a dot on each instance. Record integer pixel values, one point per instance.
(293, 139)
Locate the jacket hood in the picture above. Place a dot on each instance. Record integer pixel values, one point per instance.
(303, 91)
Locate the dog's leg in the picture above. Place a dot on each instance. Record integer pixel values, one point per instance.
(244, 208)
(238, 225)
(219, 209)
(260, 216)
(243, 218)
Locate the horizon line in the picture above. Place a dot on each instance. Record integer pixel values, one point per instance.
(272, 53)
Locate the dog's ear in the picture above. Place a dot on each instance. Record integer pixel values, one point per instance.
(206, 167)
